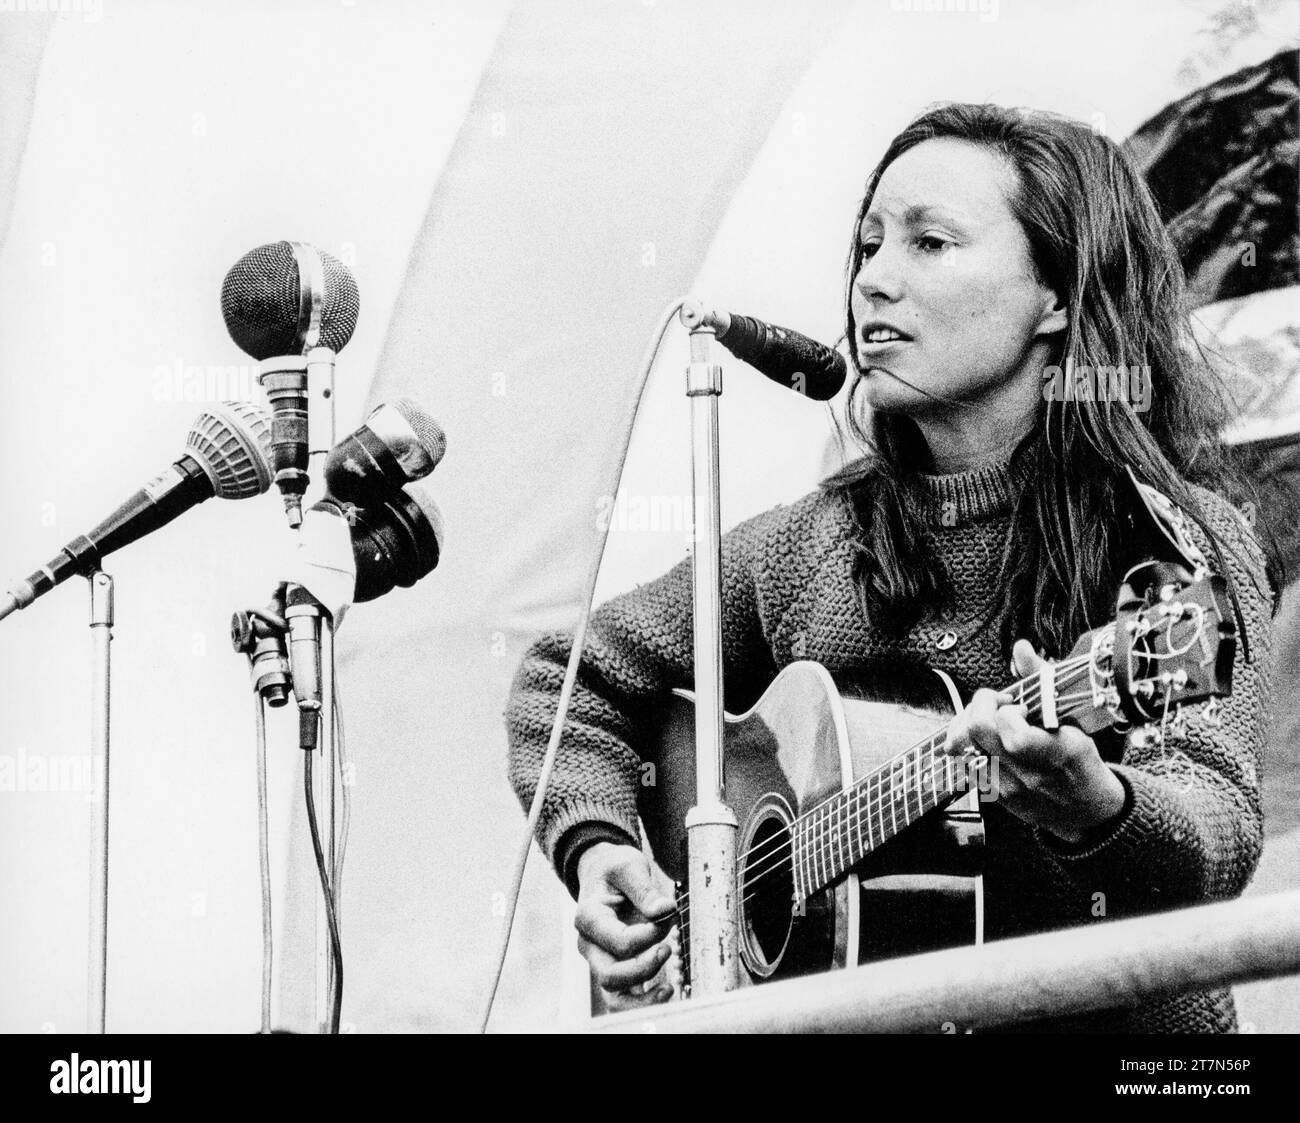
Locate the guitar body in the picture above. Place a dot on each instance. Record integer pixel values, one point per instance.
(807, 739)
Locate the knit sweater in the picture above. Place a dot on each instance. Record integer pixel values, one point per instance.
(1191, 828)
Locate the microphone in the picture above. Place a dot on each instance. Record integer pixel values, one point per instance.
(292, 307)
(373, 523)
(349, 554)
(287, 297)
(398, 443)
(226, 455)
(395, 543)
(795, 361)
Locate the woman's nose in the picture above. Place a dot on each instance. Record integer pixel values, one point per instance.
(879, 275)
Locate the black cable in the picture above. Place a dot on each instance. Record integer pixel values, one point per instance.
(336, 949)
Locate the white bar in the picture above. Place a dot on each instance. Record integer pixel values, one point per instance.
(1092, 967)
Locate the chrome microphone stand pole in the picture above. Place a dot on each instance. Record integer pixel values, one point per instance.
(101, 630)
(321, 434)
(711, 825)
(316, 363)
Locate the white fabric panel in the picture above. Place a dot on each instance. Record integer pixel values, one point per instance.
(167, 140)
(22, 43)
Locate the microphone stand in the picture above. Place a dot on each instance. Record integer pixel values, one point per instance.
(101, 631)
(711, 825)
(321, 434)
(262, 635)
(316, 367)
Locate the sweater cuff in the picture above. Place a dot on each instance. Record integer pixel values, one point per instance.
(1098, 838)
(557, 822)
(574, 843)
(1148, 853)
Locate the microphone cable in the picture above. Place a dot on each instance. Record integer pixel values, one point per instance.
(334, 899)
(571, 671)
(307, 734)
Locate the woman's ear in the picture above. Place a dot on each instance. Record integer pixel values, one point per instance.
(1055, 315)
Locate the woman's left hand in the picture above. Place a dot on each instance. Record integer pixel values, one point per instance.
(1056, 781)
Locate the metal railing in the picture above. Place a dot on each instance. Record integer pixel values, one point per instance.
(1056, 974)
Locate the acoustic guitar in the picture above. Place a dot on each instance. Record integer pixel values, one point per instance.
(844, 795)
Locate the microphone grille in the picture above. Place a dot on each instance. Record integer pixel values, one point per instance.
(232, 442)
(427, 431)
(260, 297)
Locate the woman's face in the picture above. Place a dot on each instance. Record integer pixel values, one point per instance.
(946, 265)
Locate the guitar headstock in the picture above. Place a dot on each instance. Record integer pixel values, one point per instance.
(1170, 647)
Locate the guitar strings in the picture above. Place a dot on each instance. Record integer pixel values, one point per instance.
(877, 802)
(782, 857)
(784, 844)
(1030, 693)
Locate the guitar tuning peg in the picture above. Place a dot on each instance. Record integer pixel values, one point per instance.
(1212, 713)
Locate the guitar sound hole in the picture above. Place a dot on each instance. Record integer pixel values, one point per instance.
(767, 878)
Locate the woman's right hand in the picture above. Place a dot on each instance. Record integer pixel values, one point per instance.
(624, 918)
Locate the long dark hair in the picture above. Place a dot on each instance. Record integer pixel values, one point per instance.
(1097, 240)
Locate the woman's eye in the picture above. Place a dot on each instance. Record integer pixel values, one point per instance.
(868, 249)
(932, 243)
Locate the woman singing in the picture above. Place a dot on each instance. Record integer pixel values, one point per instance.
(989, 524)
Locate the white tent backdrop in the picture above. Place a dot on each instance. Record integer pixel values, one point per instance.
(519, 190)
(166, 140)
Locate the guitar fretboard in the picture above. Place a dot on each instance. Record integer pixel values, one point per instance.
(836, 835)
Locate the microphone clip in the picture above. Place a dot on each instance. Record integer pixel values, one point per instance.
(260, 634)
(283, 645)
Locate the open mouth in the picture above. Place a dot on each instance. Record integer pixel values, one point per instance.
(883, 336)
(875, 338)
(876, 343)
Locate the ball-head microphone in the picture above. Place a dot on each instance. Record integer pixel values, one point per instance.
(292, 307)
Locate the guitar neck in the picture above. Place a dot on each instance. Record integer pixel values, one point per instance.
(834, 836)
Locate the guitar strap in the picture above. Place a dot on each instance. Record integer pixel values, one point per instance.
(968, 806)
(1166, 533)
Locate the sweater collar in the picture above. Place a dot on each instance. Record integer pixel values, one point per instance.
(986, 492)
